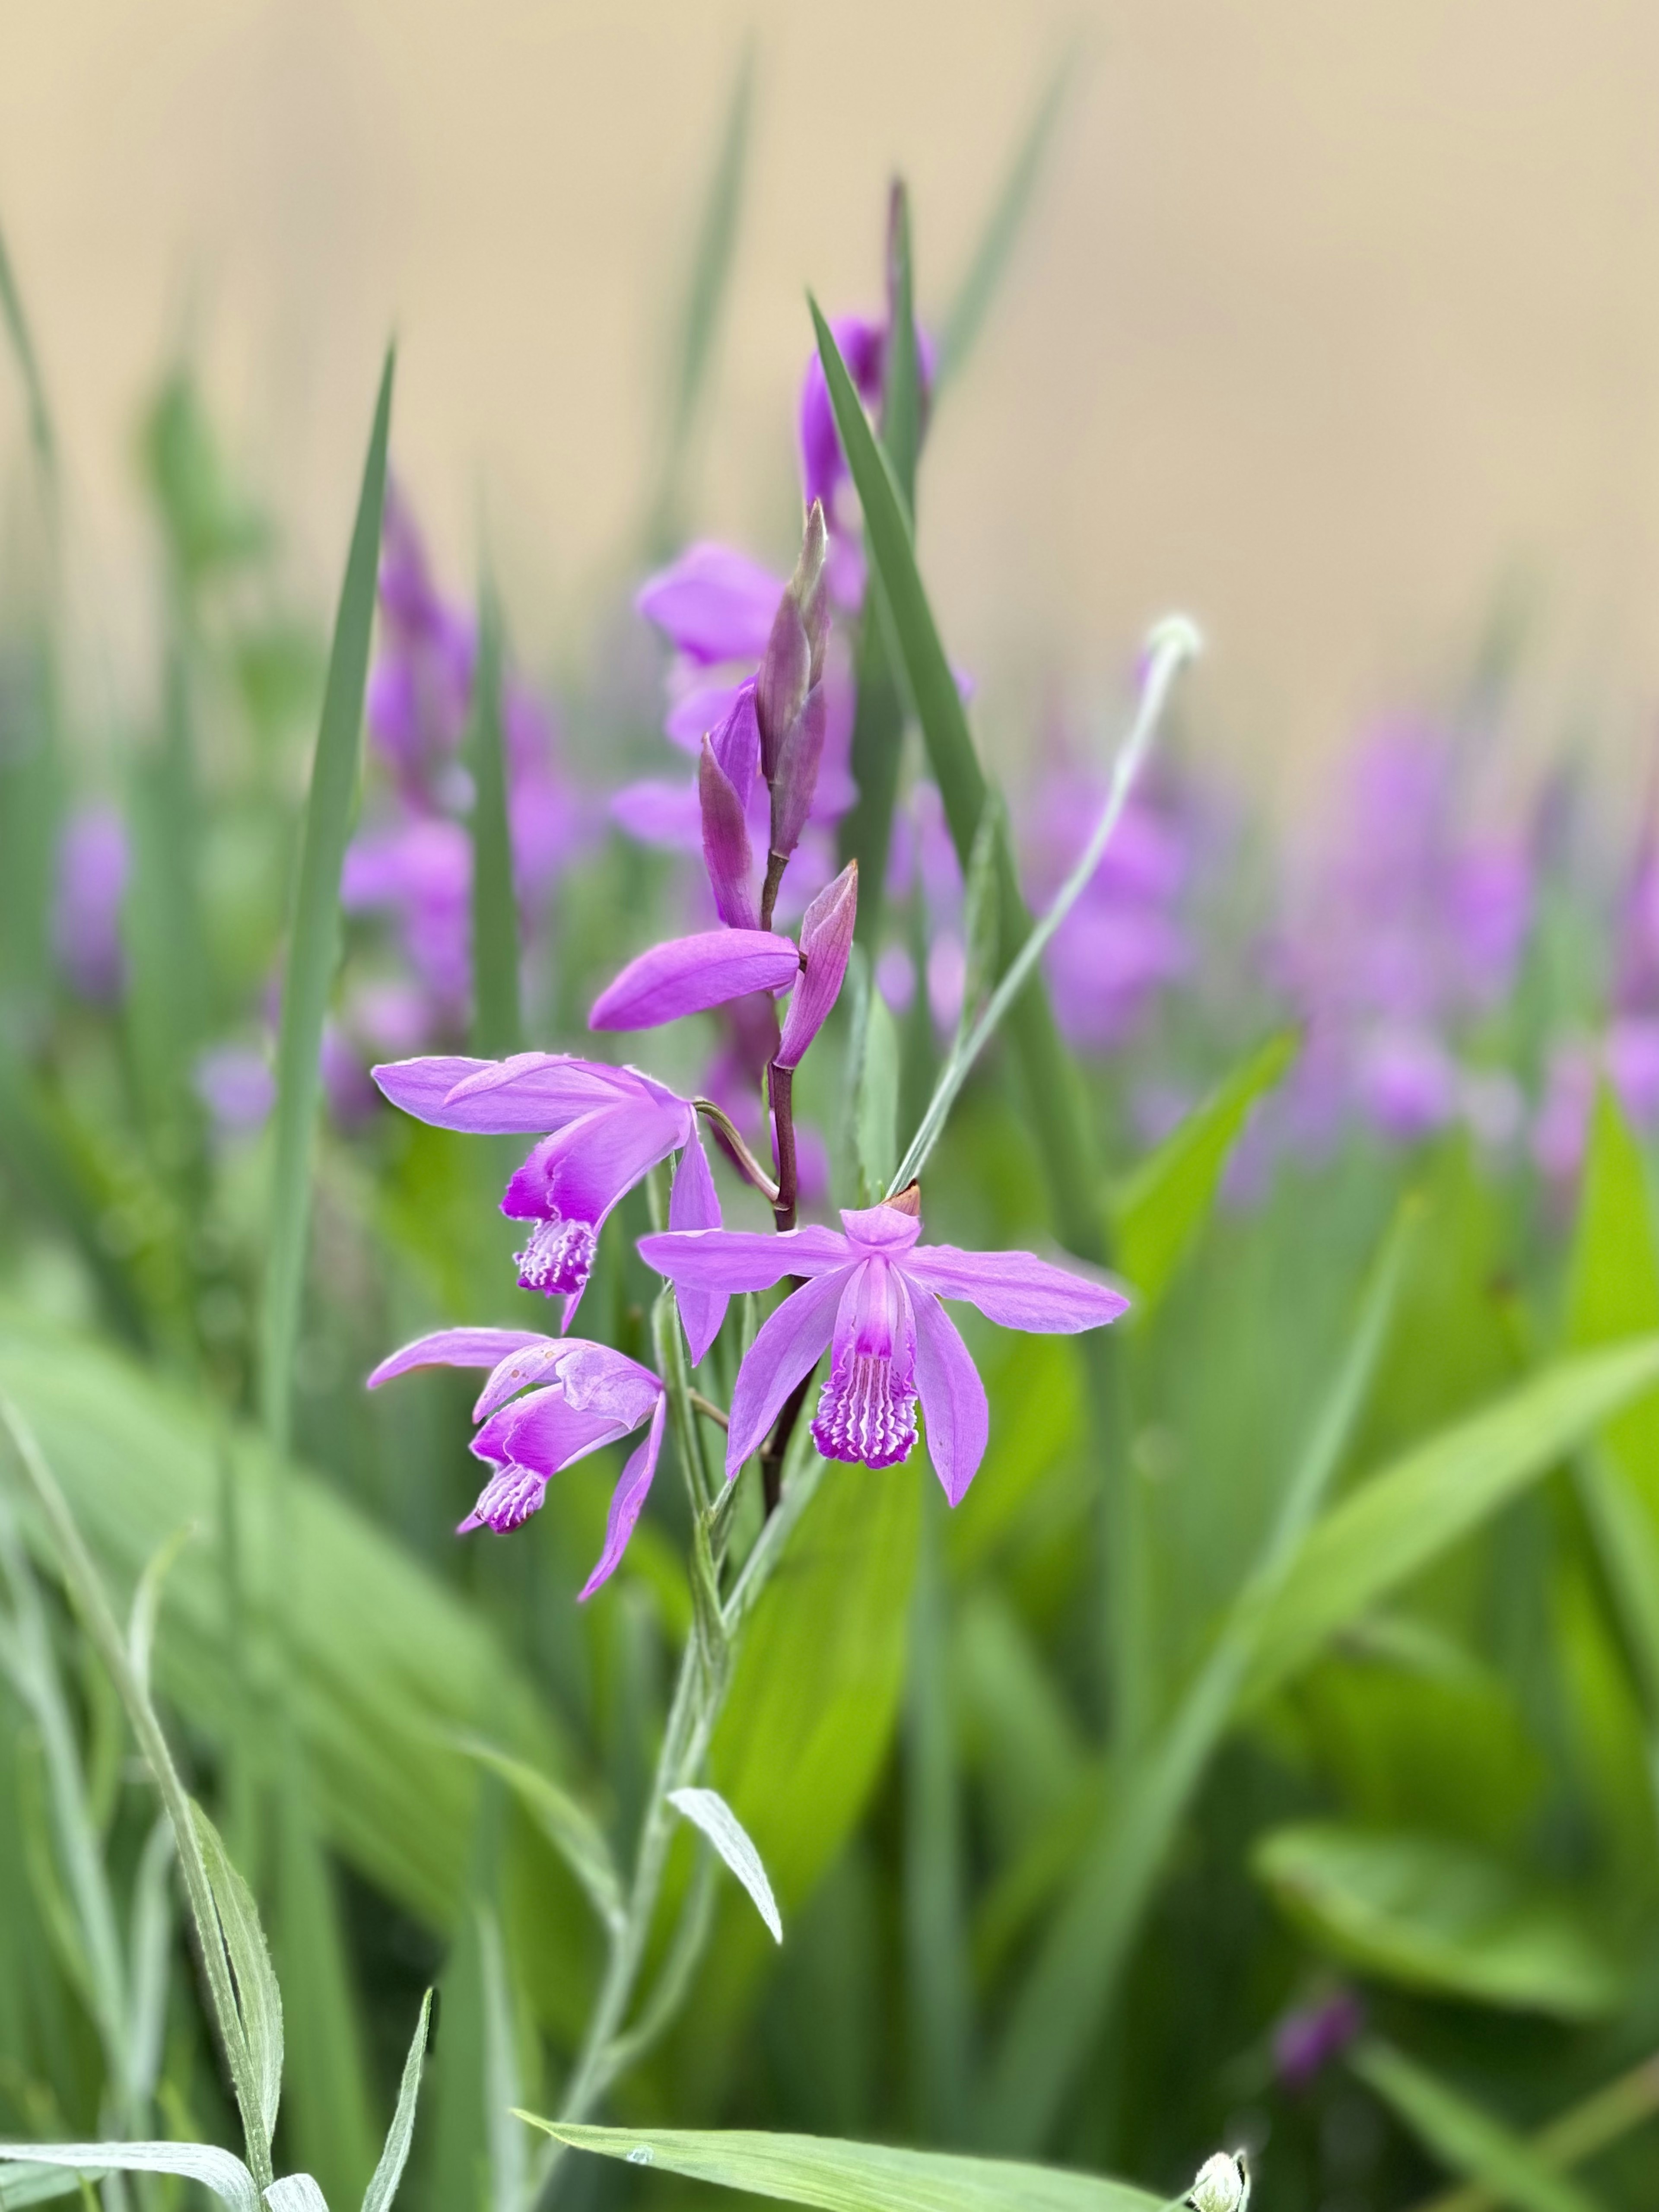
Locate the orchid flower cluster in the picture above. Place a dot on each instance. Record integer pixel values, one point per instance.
(869, 1293)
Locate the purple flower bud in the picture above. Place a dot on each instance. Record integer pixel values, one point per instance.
(1306, 2041)
(796, 782)
(826, 940)
(793, 660)
(725, 848)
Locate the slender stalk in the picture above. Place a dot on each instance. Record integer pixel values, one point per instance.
(742, 1158)
(780, 1090)
(1174, 642)
(1580, 2132)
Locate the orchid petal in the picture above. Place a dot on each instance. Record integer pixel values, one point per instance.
(535, 1091)
(713, 602)
(882, 1229)
(826, 941)
(725, 848)
(628, 1501)
(527, 1364)
(953, 1401)
(690, 975)
(788, 1347)
(694, 1204)
(731, 1260)
(458, 1347)
(580, 1172)
(1015, 1289)
(421, 1086)
(544, 1433)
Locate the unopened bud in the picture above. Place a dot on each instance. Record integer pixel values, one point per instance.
(796, 781)
(793, 660)
(1223, 2184)
(725, 848)
(826, 940)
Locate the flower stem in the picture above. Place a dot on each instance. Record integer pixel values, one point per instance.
(1174, 642)
(742, 1158)
(780, 1087)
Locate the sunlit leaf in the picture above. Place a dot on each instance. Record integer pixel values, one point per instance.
(383, 2184)
(217, 2170)
(707, 1810)
(853, 2177)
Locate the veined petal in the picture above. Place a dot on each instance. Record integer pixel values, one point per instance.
(458, 1347)
(535, 1091)
(694, 1204)
(1015, 1289)
(421, 1086)
(628, 1501)
(731, 1260)
(788, 1347)
(690, 975)
(953, 1401)
(868, 1406)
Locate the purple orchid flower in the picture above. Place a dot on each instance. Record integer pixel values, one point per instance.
(1305, 2041)
(606, 1128)
(694, 975)
(872, 1299)
(92, 865)
(588, 1397)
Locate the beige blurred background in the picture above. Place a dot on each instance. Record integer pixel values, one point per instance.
(1332, 325)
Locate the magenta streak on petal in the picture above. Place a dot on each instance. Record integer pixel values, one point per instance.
(547, 1434)
(868, 1406)
(732, 1259)
(1015, 1289)
(571, 1181)
(789, 1346)
(953, 1401)
(694, 1204)
(690, 975)
(628, 1500)
(458, 1347)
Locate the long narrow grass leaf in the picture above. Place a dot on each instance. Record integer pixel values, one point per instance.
(28, 363)
(383, 2184)
(494, 902)
(1463, 2135)
(313, 938)
(1072, 1982)
(965, 317)
(259, 1999)
(707, 1810)
(216, 2169)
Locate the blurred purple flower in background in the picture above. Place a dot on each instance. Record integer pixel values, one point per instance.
(414, 864)
(1306, 2041)
(589, 1396)
(872, 1299)
(1407, 929)
(1122, 943)
(92, 865)
(236, 1085)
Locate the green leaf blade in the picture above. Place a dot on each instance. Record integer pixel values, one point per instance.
(495, 1019)
(1466, 2137)
(314, 941)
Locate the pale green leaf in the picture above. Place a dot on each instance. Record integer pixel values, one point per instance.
(568, 1825)
(221, 2171)
(495, 903)
(708, 1811)
(853, 2177)
(259, 1999)
(383, 2184)
(1437, 1915)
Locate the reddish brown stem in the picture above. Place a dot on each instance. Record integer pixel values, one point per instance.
(780, 1085)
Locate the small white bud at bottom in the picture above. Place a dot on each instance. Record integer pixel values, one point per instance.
(1223, 2184)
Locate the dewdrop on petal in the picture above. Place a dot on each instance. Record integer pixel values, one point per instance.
(1223, 2184)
